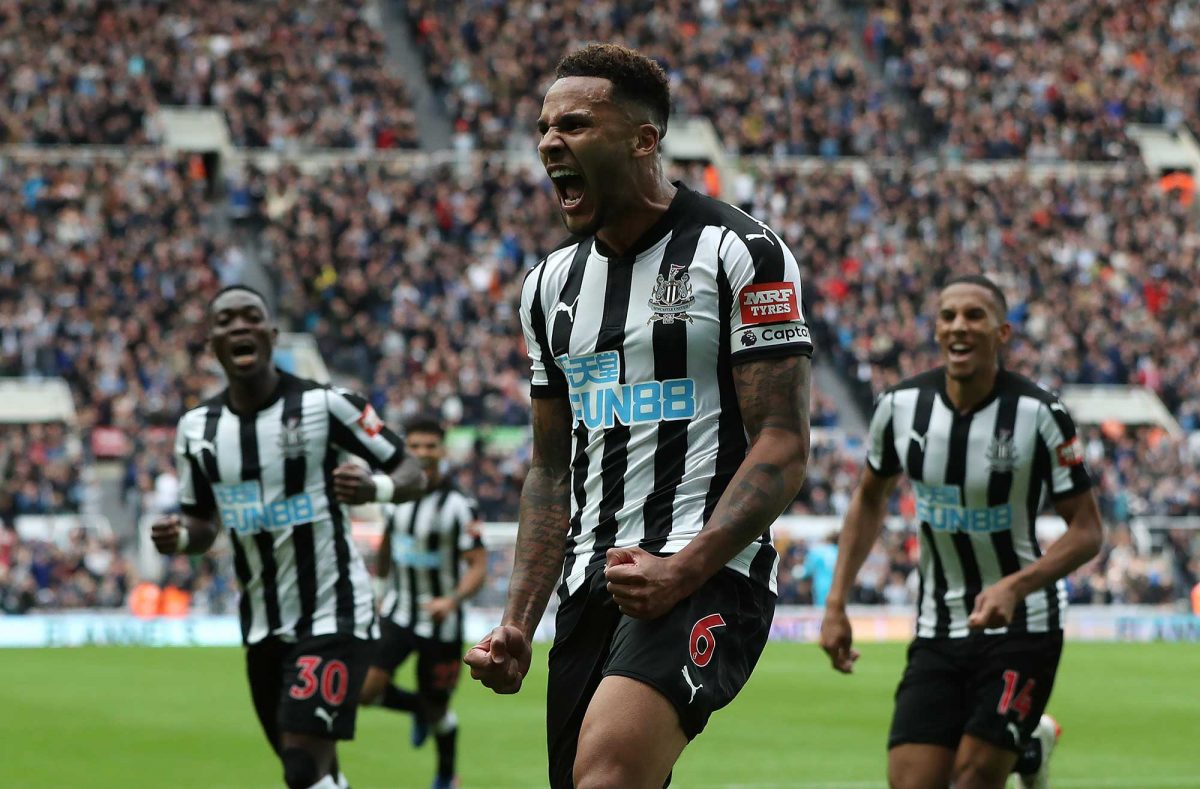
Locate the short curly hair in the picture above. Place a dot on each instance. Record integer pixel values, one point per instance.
(635, 78)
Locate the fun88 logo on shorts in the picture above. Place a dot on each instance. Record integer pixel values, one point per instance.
(243, 510)
(600, 400)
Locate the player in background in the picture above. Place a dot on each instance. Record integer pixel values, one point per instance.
(266, 459)
(983, 447)
(670, 385)
(418, 569)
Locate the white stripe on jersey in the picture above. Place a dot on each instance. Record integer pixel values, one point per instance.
(642, 346)
(265, 478)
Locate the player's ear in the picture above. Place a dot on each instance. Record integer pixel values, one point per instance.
(1006, 331)
(647, 140)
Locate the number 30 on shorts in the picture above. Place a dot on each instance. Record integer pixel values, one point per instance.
(334, 682)
(702, 644)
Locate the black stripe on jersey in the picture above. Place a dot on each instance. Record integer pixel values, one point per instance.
(941, 627)
(731, 436)
(670, 362)
(579, 470)
(564, 320)
(295, 472)
(999, 488)
(1040, 476)
(414, 610)
(956, 475)
(211, 418)
(615, 460)
(343, 587)
(455, 560)
(434, 545)
(264, 540)
(915, 462)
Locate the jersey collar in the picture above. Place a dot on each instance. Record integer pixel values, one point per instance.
(657, 231)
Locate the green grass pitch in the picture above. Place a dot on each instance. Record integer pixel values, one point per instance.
(176, 718)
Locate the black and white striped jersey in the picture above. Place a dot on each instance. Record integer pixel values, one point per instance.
(428, 538)
(980, 479)
(643, 346)
(268, 477)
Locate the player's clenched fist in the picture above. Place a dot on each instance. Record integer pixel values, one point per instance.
(353, 484)
(501, 660)
(166, 532)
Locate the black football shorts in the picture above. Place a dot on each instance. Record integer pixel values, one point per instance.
(438, 662)
(699, 655)
(308, 687)
(994, 687)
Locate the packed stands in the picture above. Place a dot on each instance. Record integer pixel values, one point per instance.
(291, 73)
(1039, 81)
(775, 77)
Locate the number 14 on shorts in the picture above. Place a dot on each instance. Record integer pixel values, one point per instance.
(1020, 703)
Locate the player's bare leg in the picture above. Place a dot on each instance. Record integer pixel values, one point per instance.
(630, 738)
(307, 761)
(918, 766)
(981, 765)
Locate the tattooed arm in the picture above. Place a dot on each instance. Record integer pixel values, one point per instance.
(501, 659)
(773, 396)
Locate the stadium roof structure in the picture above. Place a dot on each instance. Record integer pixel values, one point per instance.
(30, 400)
(1095, 404)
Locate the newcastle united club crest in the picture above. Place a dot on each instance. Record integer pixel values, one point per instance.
(291, 439)
(672, 297)
(1002, 453)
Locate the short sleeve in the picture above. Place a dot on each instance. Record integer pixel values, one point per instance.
(1068, 475)
(881, 451)
(355, 427)
(546, 380)
(195, 491)
(767, 316)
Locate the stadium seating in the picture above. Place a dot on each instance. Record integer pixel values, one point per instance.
(288, 73)
(774, 77)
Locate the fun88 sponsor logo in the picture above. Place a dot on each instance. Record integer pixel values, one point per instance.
(600, 400)
(938, 505)
(243, 510)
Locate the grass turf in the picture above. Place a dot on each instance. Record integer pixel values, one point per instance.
(138, 717)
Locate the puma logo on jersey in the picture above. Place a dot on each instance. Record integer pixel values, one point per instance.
(919, 440)
(198, 445)
(767, 236)
(562, 306)
(326, 716)
(688, 679)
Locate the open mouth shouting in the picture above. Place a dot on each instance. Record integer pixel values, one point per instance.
(243, 352)
(570, 185)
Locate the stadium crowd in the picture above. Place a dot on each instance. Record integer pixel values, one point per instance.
(412, 300)
(1039, 81)
(775, 77)
(286, 74)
